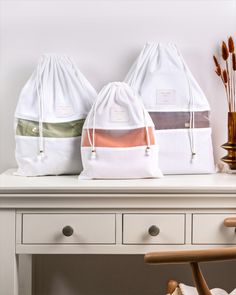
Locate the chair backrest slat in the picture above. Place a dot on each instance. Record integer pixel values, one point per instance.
(193, 257)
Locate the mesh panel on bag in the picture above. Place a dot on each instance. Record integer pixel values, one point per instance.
(119, 138)
(54, 130)
(179, 120)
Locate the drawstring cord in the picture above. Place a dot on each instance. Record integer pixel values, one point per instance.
(91, 141)
(93, 111)
(191, 110)
(93, 107)
(148, 148)
(93, 153)
(40, 95)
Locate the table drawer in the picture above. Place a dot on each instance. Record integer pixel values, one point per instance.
(153, 228)
(210, 229)
(87, 229)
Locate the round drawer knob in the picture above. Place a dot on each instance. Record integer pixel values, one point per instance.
(153, 230)
(67, 231)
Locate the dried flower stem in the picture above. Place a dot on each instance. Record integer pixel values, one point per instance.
(227, 96)
(233, 88)
(229, 83)
(226, 84)
(233, 75)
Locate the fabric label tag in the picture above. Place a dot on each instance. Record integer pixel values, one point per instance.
(64, 110)
(166, 97)
(119, 114)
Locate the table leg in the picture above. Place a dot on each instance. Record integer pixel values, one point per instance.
(8, 258)
(25, 274)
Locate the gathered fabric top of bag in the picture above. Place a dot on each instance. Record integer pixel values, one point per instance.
(161, 76)
(118, 112)
(56, 92)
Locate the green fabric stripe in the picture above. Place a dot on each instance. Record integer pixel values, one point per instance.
(55, 130)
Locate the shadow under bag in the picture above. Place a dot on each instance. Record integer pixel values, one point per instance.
(178, 108)
(49, 117)
(118, 139)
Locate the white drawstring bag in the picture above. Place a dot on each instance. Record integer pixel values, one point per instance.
(118, 139)
(188, 290)
(49, 116)
(178, 107)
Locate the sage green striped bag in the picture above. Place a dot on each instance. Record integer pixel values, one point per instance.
(49, 118)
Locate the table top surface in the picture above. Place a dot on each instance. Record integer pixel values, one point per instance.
(212, 183)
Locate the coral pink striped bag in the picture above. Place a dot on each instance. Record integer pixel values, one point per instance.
(118, 137)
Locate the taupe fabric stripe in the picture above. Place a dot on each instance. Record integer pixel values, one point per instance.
(179, 120)
(55, 130)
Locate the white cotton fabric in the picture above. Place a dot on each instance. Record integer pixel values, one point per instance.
(117, 108)
(165, 84)
(177, 291)
(62, 156)
(188, 290)
(56, 92)
(176, 158)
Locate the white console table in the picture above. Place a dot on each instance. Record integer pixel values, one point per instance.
(62, 215)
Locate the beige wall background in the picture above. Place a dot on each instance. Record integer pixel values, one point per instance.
(105, 37)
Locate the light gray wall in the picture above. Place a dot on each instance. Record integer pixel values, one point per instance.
(105, 37)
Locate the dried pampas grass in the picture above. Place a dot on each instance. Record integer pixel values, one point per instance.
(231, 44)
(225, 76)
(216, 61)
(234, 61)
(227, 73)
(218, 71)
(224, 50)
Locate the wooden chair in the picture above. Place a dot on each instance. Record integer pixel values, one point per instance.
(193, 257)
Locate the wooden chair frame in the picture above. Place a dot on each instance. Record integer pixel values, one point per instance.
(193, 257)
